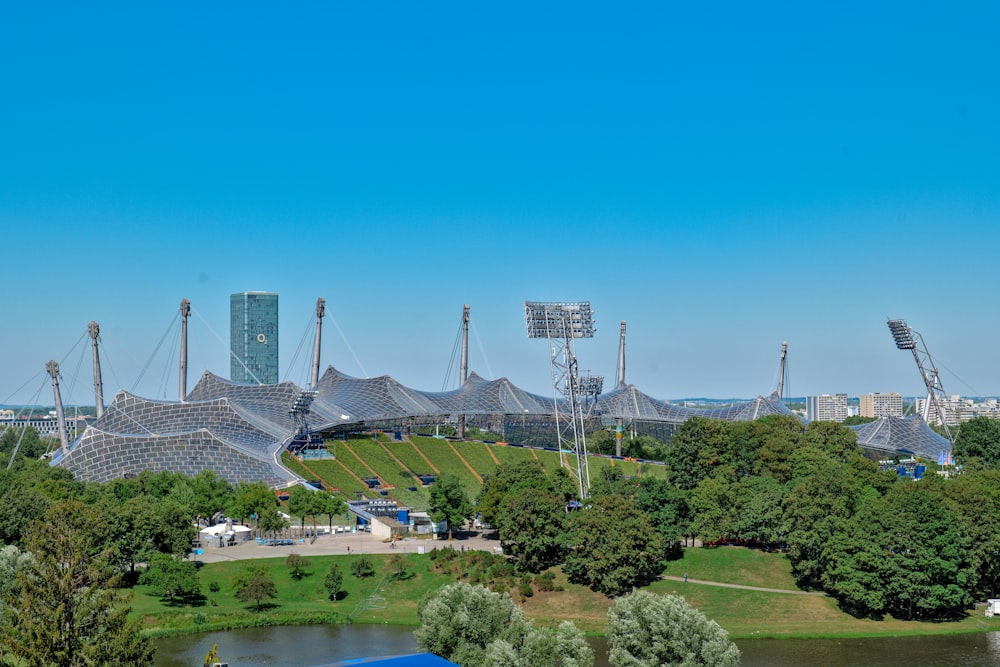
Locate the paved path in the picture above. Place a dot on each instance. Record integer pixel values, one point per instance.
(748, 588)
(342, 544)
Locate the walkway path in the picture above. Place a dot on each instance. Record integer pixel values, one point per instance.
(748, 588)
(342, 544)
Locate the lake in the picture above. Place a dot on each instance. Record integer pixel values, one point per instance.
(305, 645)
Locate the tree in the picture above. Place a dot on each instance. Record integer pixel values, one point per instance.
(363, 567)
(66, 613)
(496, 487)
(302, 502)
(297, 565)
(172, 579)
(249, 499)
(448, 501)
(979, 438)
(211, 493)
(649, 630)
(12, 562)
(530, 524)
(269, 522)
(611, 546)
(255, 585)
(667, 509)
(334, 582)
(473, 626)
(460, 621)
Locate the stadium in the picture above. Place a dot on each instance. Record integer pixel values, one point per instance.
(241, 430)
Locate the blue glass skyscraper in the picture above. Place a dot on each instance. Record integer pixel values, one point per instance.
(253, 333)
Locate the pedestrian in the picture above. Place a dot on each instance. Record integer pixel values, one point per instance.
(685, 577)
(348, 549)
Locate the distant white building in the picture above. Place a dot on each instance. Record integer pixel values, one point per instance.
(826, 408)
(882, 405)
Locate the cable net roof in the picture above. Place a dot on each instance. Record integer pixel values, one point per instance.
(902, 435)
(240, 430)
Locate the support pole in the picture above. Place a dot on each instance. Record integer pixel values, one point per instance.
(782, 370)
(621, 359)
(320, 313)
(94, 330)
(185, 313)
(53, 370)
(464, 365)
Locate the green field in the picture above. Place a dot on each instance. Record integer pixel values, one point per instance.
(744, 613)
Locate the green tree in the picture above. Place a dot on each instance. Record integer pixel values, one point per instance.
(474, 627)
(297, 565)
(12, 562)
(648, 630)
(362, 567)
(66, 613)
(254, 584)
(506, 478)
(173, 579)
(270, 522)
(460, 621)
(712, 507)
(249, 499)
(211, 493)
(978, 438)
(303, 502)
(334, 582)
(668, 511)
(611, 546)
(448, 501)
(695, 451)
(530, 525)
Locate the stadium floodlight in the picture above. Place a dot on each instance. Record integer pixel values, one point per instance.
(561, 323)
(902, 334)
(559, 320)
(908, 339)
(589, 385)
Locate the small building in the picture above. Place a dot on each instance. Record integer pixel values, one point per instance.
(992, 608)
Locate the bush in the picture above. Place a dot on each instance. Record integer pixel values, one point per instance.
(214, 587)
(545, 582)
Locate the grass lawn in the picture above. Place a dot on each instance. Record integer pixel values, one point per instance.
(744, 613)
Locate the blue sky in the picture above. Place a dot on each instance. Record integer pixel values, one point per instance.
(722, 177)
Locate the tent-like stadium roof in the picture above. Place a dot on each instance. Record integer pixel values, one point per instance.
(902, 435)
(240, 430)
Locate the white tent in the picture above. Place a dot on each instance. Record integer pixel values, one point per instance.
(224, 534)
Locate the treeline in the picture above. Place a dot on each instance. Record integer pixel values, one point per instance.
(880, 545)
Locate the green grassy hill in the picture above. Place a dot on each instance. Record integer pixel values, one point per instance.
(396, 463)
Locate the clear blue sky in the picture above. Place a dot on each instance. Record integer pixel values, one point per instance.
(722, 176)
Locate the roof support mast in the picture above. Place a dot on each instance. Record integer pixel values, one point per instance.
(561, 324)
(464, 364)
(94, 330)
(183, 375)
(320, 313)
(908, 339)
(619, 422)
(782, 370)
(52, 368)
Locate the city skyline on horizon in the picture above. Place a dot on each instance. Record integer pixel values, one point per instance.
(722, 178)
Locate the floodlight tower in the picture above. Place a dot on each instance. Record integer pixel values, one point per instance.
(94, 330)
(561, 324)
(908, 339)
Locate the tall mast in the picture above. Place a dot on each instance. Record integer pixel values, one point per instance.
(94, 330)
(53, 369)
(185, 313)
(464, 363)
(320, 313)
(782, 370)
(621, 358)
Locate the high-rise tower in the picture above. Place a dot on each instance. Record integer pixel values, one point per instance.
(253, 335)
